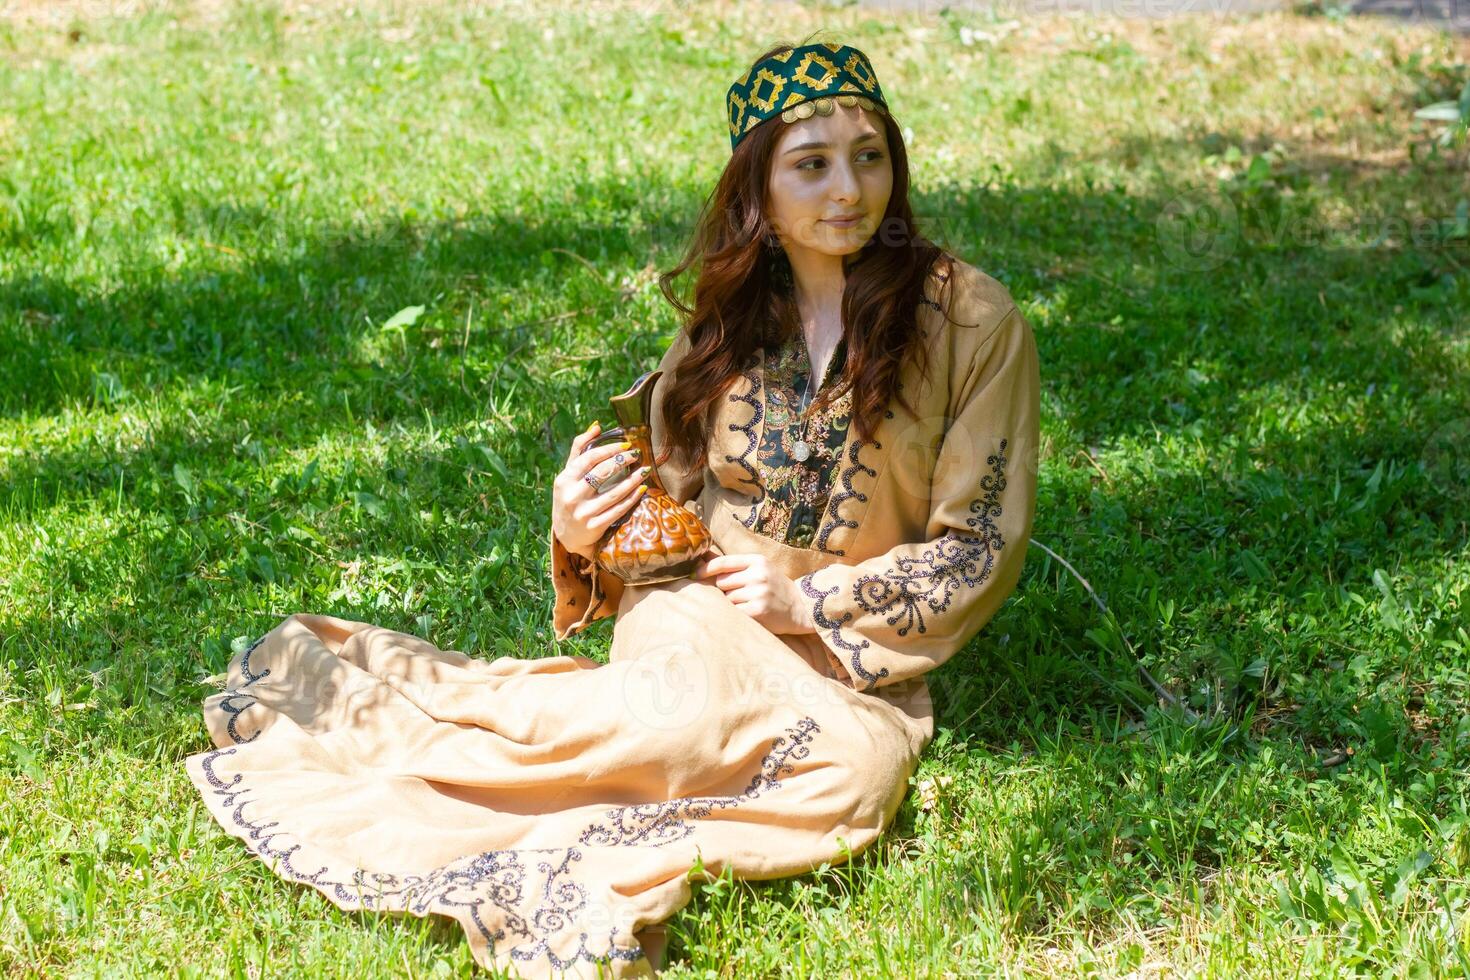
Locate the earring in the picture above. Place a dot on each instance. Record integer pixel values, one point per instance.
(778, 265)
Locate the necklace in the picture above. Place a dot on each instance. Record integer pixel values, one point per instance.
(801, 451)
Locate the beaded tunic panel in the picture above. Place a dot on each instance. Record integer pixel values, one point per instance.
(797, 490)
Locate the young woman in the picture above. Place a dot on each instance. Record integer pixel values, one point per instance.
(854, 414)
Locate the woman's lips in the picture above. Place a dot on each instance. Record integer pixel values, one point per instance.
(843, 222)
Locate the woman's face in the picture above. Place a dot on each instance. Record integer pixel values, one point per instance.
(827, 168)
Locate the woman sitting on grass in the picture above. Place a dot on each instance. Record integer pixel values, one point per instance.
(854, 414)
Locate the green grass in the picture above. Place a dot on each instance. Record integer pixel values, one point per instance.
(210, 212)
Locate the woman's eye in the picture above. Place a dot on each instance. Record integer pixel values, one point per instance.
(817, 163)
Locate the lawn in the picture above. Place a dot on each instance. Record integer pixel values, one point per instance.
(1256, 449)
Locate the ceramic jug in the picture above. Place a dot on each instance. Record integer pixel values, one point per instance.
(658, 540)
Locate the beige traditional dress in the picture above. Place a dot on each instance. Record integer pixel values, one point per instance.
(555, 807)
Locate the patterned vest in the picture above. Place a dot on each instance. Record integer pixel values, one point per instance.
(799, 450)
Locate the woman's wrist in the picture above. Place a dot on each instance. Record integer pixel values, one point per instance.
(802, 618)
(577, 553)
(805, 621)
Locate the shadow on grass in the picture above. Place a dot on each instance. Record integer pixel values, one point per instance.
(1138, 344)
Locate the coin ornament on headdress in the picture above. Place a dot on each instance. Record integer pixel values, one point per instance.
(813, 78)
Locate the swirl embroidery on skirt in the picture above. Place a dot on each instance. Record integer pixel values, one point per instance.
(931, 577)
(497, 878)
(656, 824)
(235, 700)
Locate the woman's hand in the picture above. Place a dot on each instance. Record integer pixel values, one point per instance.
(579, 514)
(759, 590)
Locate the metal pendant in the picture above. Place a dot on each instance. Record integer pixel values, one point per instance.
(800, 451)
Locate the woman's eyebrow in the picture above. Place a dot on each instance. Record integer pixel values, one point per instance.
(819, 145)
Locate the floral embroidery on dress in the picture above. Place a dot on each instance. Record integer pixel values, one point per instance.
(955, 559)
(798, 461)
(656, 824)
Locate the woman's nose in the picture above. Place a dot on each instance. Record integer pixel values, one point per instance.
(845, 184)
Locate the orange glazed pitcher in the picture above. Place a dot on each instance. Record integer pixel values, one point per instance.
(658, 540)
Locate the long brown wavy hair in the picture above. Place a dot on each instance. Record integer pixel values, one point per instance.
(740, 303)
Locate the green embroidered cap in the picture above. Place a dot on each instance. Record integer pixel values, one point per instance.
(801, 81)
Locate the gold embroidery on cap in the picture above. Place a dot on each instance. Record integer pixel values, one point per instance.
(801, 75)
(768, 102)
(857, 67)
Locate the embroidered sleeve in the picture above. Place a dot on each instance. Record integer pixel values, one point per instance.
(904, 612)
(584, 592)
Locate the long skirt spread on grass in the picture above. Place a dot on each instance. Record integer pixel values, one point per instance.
(555, 807)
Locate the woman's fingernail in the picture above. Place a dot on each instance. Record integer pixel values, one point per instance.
(625, 445)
